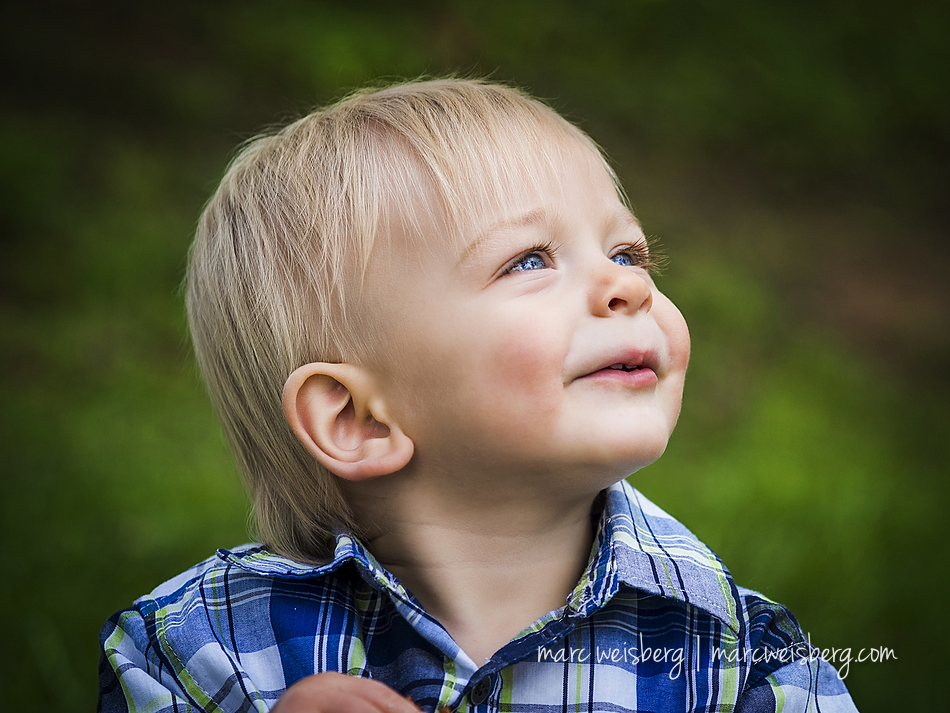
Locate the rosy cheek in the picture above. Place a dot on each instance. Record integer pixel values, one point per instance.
(523, 367)
(675, 330)
(680, 346)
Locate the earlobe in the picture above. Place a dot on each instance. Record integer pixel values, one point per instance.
(338, 414)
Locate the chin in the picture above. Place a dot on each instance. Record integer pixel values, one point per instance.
(619, 462)
(644, 450)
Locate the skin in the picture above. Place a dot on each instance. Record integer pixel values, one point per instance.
(338, 693)
(489, 395)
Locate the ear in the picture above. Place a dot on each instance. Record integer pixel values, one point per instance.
(340, 417)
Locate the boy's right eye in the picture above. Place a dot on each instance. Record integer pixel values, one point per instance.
(531, 261)
(540, 257)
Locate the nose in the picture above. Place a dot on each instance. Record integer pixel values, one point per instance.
(620, 290)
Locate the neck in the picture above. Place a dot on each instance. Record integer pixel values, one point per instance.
(484, 569)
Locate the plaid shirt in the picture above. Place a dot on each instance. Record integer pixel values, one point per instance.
(655, 624)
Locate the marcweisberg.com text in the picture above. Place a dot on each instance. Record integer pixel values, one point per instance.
(802, 654)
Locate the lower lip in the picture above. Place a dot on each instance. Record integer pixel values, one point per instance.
(638, 377)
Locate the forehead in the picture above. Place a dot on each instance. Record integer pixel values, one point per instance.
(495, 183)
(543, 215)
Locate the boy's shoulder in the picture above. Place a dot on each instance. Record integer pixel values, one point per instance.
(246, 623)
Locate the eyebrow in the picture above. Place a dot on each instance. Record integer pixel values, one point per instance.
(623, 218)
(540, 217)
(534, 218)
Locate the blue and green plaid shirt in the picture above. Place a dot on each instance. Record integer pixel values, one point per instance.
(655, 624)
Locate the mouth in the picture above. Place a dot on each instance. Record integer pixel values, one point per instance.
(634, 369)
(624, 367)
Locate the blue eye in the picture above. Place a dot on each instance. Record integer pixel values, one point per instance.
(531, 261)
(637, 255)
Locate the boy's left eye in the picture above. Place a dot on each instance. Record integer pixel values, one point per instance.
(637, 255)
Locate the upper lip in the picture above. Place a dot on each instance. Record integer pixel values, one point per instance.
(629, 358)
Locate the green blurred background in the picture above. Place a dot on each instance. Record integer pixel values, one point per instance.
(792, 156)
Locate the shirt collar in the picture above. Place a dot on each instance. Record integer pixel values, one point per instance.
(637, 545)
(641, 546)
(258, 559)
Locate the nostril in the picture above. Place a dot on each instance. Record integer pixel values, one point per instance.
(616, 303)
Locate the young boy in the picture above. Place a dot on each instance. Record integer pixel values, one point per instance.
(426, 319)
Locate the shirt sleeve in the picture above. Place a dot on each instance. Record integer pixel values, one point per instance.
(133, 675)
(787, 674)
(802, 686)
(137, 675)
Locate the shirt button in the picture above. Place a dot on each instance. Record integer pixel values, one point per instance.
(480, 691)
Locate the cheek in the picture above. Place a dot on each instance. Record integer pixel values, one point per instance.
(520, 370)
(675, 330)
(680, 345)
(677, 339)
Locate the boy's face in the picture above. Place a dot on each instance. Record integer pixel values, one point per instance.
(500, 353)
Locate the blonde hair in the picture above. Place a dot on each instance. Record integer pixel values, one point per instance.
(290, 229)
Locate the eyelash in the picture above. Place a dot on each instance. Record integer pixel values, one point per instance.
(547, 249)
(646, 254)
